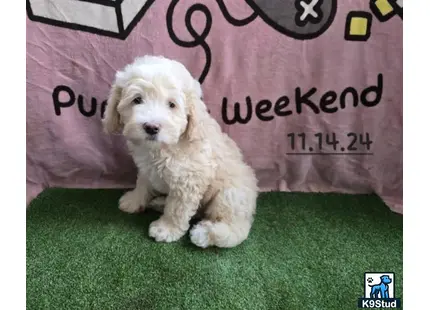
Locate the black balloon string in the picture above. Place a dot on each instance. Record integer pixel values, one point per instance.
(200, 39)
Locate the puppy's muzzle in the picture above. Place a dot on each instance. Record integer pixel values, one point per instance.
(151, 129)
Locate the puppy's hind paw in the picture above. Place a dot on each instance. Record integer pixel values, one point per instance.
(129, 203)
(199, 235)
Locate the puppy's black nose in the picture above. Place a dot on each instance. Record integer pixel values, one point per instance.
(151, 129)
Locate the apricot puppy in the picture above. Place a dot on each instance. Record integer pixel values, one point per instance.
(185, 161)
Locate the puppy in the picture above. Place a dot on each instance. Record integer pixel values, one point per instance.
(181, 154)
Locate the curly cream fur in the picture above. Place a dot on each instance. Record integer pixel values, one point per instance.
(190, 161)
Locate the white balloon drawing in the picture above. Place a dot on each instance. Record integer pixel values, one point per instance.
(114, 18)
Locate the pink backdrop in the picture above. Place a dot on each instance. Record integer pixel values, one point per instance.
(286, 81)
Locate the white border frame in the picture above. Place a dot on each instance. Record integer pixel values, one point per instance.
(416, 159)
(13, 157)
(416, 171)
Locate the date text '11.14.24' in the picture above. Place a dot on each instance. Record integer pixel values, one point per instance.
(329, 144)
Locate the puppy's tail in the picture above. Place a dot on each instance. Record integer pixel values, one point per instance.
(224, 235)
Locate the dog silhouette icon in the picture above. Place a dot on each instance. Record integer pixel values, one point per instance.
(381, 290)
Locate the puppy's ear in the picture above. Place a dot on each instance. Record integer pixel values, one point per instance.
(196, 113)
(111, 120)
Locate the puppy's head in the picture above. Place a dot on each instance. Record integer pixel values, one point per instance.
(155, 100)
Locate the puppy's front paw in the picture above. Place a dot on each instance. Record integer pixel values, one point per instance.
(129, 202)
(161, 231)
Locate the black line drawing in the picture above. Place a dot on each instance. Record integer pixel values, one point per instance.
(231, 19)
(398, 7)
(121, 16)
(298, 19)
(199, 39)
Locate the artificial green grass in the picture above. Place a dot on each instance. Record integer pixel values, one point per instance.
(305, 251)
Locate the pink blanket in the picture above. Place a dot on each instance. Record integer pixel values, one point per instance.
(311, 90)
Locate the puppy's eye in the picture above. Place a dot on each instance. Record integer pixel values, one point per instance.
(172, 105)
(137, 100)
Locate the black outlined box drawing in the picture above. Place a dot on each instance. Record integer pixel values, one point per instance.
(112, 18)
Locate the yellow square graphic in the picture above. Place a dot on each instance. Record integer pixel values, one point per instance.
(358, 26)
(384, 7)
